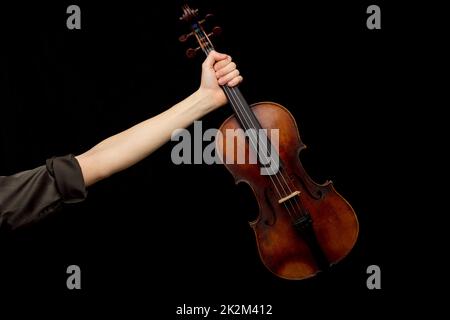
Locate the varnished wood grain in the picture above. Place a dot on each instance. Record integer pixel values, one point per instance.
(281, 249)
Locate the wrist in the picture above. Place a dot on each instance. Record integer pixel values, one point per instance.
(204, 101)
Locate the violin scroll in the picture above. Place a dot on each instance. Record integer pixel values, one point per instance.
(191, 16)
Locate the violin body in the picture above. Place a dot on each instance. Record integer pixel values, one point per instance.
(283, 250)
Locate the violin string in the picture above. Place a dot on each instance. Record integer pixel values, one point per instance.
(272, 173)
(296, 200)
(207, 47)
(233, 95)
(254, 144)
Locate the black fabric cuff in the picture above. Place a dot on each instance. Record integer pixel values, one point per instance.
(68, 176)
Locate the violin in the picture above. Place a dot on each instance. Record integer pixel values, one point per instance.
(302, 227)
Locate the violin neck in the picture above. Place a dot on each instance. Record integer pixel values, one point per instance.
(237, 101)
(241, 108)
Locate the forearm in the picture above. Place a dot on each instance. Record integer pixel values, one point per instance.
(130, 146)
(134, 144)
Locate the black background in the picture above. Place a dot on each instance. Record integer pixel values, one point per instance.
(180, 233)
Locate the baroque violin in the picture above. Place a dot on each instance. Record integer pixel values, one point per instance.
(302, 227)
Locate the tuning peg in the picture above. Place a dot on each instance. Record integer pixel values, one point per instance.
(185, 37)
(207, 17)
(191, 53)
(216, 31)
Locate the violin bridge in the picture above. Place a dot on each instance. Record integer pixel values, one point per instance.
(293, 194)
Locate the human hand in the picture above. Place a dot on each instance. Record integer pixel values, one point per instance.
(217, 70)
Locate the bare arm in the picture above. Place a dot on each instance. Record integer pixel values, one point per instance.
(126, 148)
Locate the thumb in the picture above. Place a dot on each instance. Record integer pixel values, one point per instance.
(213, 57)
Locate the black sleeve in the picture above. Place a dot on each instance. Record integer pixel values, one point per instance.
(31, 195)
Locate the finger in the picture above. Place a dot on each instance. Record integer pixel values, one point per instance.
(228, 77)
(235, 81)
(227, 69)
(213, 57)
(220, 64)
